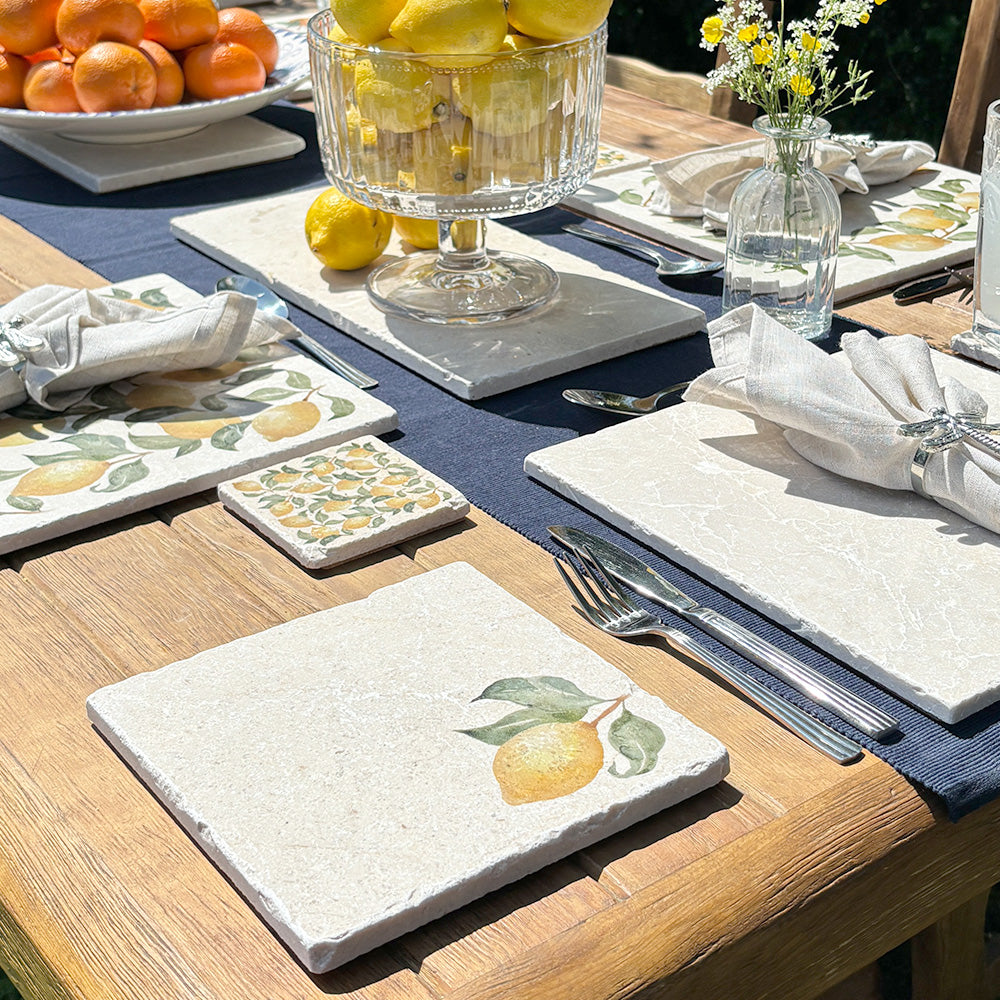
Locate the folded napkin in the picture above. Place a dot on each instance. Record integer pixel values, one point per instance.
(700, 184)
(81, 339)
(851, 418)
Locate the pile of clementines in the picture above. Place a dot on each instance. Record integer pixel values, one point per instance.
(127, 55)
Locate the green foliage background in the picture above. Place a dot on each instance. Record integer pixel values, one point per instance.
(911, 47)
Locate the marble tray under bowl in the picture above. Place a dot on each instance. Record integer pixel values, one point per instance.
(339, 768)
(894, 585)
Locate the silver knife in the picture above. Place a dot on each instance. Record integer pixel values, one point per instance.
(798, 675)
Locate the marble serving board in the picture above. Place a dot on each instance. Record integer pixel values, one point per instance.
(237, 142)
(133, 444)
(597, 316)
(346, 785)
(880, 244)
(893, 585)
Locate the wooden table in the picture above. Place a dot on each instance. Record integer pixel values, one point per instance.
(785, 879)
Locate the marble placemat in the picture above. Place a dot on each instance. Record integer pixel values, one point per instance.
(895, 232)
(597, 316)
(895, 586)
(101, 167)
(361, 771)
(136, 443)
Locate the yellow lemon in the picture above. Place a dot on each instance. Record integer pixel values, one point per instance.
(366, 21)
(419, 233)
(440, 158)
(508, 97)
(548, 761)
(287, 420)
(59, 477)
(343, 234)
(557, 20)
(196, 430)
(143, 397)
(398, 95)
(447, 26)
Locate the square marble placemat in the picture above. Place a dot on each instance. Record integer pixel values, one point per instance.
(887, 236)
(343, 502)
(597, 316)
(892, 584)
(339, 768)
(103, 167)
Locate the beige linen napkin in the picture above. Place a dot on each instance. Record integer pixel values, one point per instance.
(846, 417)
(700, 184)
(89, 339)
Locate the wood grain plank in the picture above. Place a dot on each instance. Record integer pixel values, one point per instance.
(949, 957)
(29, 261)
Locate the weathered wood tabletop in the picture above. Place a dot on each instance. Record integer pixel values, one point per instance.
(788, 877)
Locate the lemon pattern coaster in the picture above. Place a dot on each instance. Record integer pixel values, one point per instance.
(351, 772)
(343, 502)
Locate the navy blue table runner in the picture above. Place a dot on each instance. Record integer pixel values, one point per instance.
(480, 447)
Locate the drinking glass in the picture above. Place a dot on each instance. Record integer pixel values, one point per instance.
(986, 308)
(459, 139)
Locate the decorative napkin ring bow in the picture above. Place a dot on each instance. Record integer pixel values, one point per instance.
(944, 430)
(14, 343)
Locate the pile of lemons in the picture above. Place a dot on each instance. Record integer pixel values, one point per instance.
(422, 133)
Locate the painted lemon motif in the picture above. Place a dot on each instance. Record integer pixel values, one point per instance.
(296, 521)
(969, 200)
(286, 477)
(196, 430)
(14, 432)
(59, 477)
(205, 374)
(917, 242)
(321, 531)
(287, 420)
(308, 487)
(924, 218)
(282, 508)
(548, 761)
(334, 505)
(323, 468)
(144, 397)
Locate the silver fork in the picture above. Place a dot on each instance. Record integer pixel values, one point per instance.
(607, 607)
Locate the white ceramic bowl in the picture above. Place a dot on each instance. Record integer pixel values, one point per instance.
(290, 73)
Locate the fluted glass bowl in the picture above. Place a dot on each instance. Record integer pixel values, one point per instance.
(459, 139)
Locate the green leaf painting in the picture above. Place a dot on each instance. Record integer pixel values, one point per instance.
(548, 749)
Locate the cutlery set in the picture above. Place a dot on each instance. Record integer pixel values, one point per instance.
(592, 581)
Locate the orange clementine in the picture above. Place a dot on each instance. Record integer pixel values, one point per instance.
(180, 24)
(13, 70)
(49, 87)
(222, 69)
(169, 75)
(83, 23)
(111, 76)
(27, 26)
(246, 27)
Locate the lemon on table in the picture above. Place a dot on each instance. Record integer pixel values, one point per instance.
(420, 233)
(366, 20)
(344, 234)
(557, 20)
(451, 26)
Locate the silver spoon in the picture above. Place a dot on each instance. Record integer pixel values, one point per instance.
(618, 402)
(665, 267)
(268, 302)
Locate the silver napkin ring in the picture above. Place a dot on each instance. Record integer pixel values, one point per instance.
(945, 430)
(14, 342)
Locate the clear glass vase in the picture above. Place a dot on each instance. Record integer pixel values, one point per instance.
(784, 231)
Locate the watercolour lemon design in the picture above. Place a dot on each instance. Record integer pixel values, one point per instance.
(547, 749)
(358, 487)
(177, 412)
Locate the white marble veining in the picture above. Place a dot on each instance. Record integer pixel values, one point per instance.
(100, 167)
(325, 768)
(597, 315)
(894, 585)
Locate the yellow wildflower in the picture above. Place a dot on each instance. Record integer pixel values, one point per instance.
(809, 43)
(711, 30)
(863, 18)
(801, 85)
(748, 34)
(763, 53)
(878, 3)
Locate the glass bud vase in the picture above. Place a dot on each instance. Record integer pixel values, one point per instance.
(783, 232)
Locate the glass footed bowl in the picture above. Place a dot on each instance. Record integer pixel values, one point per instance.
(459, 139)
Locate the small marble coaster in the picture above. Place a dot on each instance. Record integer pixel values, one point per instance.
(102, 167)
(974, 347)
(340, 503)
